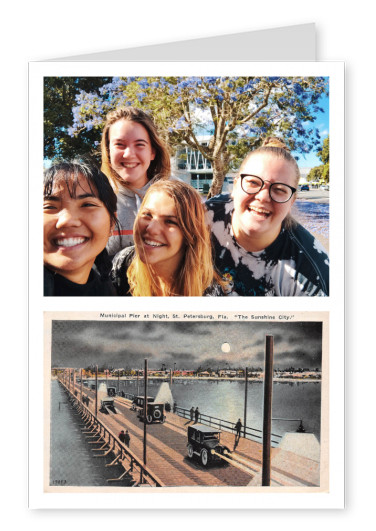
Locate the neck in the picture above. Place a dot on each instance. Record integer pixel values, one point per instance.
(254, 243)
(164, 279)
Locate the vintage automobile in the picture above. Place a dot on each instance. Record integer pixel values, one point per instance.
(203, 441)
(107, 403)
(154, 410)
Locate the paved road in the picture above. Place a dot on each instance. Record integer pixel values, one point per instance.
(315, 196)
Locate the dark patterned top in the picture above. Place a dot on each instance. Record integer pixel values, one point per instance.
(56, 285)
(295, 264)
(122, 261)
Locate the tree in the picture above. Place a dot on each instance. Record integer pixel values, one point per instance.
(59, 98)
(235, 111)
(321, 172)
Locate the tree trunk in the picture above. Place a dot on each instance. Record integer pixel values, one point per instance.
(220, 168)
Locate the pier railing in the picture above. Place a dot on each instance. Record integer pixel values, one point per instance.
(226, 425)
(221, 424)
(111, 443)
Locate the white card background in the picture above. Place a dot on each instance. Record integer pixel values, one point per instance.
(332, 304)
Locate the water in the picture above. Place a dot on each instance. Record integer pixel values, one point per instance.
(72, 462)
(225, 400)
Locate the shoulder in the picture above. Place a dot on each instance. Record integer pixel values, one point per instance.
(218, 200)
(123, 258)
(220, 208)
(120, 264)
(48, 282)
(312, 253)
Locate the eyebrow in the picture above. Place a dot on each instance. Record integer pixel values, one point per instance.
(134, 141)
(80, 196)
(149, 211)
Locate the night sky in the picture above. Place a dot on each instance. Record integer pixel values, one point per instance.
(125, 344)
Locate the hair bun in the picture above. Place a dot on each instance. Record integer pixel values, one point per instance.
(273, 141)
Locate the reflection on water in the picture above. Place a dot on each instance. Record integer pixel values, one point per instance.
(313, 216)
(225, 400)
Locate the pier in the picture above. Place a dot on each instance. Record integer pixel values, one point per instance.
(167, 463)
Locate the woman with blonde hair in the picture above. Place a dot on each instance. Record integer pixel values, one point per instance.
(172, 255)
(259, 247)
(134, 156)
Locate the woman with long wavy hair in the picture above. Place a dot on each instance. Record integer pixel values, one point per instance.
(172, 255)
(134, 156)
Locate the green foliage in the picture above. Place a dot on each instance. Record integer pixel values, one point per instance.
(321, 173)
(236, 111)
(59, 99)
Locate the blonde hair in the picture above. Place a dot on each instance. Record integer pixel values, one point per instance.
(275, 147)
(196, 271)
(160, 167)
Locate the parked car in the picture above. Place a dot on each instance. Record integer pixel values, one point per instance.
(325, 187)
(154, 410)
(304, 187)
(203, 441)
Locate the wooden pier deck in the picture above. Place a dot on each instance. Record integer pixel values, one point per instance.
(167, 453)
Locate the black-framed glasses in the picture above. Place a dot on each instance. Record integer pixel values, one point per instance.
(279, 192)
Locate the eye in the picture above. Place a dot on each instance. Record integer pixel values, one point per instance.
(89, 204)
(171, 222)
(49, 206)
(252, 181)
(281, 190)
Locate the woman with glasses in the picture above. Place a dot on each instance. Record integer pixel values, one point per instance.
(259, 248)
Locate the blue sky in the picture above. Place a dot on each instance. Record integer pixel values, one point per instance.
(322, 123)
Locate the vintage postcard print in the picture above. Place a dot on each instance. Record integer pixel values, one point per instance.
(203, 423)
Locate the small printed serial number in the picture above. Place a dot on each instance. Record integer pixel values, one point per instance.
(59, 482)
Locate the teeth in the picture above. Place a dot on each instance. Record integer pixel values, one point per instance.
(69, 242)
(260, 211)
(130, 165)
(153, 244)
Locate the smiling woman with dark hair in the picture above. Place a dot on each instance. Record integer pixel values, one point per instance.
(259, 248)
(79, 212)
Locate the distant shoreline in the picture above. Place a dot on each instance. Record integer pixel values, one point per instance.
(201, 378)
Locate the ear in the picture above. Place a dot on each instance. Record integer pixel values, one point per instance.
(153, 154)
(112, 224)
(233, 188)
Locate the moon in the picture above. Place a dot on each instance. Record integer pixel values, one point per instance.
(225, 347)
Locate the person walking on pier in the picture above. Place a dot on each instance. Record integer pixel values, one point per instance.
(238, 427)
(122, 436)
(192, 412)
(127, 438)
(197, 413)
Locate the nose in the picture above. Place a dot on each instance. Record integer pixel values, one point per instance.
(128, 151)
(264, 193)
(153, 226)
(67, 218)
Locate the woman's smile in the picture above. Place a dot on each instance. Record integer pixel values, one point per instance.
(257, 219)
(158, 236)
(76, 230)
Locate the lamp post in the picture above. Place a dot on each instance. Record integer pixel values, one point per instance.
(267, 413)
